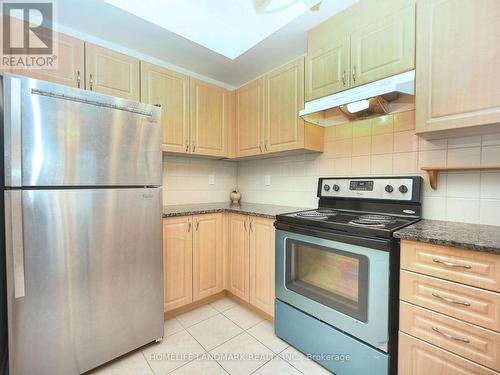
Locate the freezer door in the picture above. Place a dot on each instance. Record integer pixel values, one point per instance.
(61, 136)
(84, 276)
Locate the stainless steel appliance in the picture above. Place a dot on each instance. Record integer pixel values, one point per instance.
(83, 233)
(337, 272)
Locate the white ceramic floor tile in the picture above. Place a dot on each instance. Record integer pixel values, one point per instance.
(243, 317)
(172, 326)
(277, 367)
(132, 364)
(173, 352)
(224, 304)
(214, 331)
(242, 355)
(195, 316)
(200, 367)
(264, 332)
(302, 363)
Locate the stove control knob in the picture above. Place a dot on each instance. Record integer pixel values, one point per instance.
(326, 187)
(389, 188)
(336, 187)
(403, 189)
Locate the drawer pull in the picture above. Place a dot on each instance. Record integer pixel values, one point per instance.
(451, 300)
(448, 336)
(449, 264)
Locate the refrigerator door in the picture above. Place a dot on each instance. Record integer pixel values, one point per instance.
(61, 136)
(84, 276)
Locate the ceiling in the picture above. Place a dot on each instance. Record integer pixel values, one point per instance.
(253, 49)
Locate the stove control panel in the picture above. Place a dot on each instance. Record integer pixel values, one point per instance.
(387, 188)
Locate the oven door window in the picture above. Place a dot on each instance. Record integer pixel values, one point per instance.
(334, 278)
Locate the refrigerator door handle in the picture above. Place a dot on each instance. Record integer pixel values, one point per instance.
(14, 213)
(12, 133)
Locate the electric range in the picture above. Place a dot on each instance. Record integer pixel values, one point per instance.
(337, 272)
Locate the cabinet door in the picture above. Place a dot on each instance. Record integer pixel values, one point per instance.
(262, 264)
(327, 69)
(283, 99)
(249, 118)
(457, 76)
(208, 118)
(207, 255)
(384, 47)
(238, 246)
(420, 358)
(70, 62)
(177, 262)
(171, 91)
(110, 72)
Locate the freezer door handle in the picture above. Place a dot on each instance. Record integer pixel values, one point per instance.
(12, 133)
(14, 214)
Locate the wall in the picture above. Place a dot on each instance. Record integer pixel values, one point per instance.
(385, 145)
(185, 180)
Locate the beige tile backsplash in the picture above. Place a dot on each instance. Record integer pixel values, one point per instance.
(386, 145)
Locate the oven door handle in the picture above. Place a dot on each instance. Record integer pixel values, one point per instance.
(371, 243)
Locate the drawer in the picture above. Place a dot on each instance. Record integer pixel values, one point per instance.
(417, 357)
(473, 305)
(469, 341)
(469, 267)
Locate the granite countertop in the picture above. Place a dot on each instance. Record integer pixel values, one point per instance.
(254, 209)
(468, 236)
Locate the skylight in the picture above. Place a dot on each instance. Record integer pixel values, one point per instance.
(228, 27)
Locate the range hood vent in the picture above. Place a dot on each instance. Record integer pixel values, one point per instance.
(392, 94)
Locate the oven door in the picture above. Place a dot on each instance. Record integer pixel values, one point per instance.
(339, 279)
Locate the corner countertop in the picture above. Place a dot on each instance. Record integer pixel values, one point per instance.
(255, 209)
(468, 236)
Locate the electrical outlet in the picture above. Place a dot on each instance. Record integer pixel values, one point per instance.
(211, 179)
(267, 180)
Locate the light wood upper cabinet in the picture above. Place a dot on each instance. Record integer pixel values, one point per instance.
(383, 48)
(208, 118)
(177, 262)
(457, 85)
(110, 72)
(207, 255)
(327, 69)
(261, 257)
(249, 118)
(283, 99)
(171, 91)
(70, 63)
(238, 248)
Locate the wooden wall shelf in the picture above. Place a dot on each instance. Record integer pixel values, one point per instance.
(434, 170)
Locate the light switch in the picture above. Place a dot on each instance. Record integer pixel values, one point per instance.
(211, 179)
(267, 180)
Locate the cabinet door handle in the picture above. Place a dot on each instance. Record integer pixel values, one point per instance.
(265, 145)
(343, 77)
(187, 146)
(189, 227)
(246, 224)
(197, 223)
(449, 300)
(91, 82)
(194, 147)
(354, 74)
(260, 147)
(450, 337)
(251, 225)
(78, 78)
(450, 264)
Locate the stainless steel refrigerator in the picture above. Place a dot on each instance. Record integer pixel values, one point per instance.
(83, 231)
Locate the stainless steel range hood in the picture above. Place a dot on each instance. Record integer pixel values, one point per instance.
(373, 99)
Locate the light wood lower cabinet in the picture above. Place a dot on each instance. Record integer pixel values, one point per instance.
(261, 256)
(177, 262)
(110, 72)
(207, 255)
(416, 357)
(251, 260)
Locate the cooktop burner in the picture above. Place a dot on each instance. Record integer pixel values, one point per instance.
(374, 221)
(317, 214)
